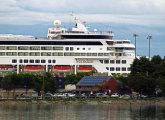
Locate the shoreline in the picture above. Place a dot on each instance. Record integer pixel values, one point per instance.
(84, 101)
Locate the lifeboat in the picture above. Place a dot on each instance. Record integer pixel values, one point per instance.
(62, 68)
(85, 68)
(6, 68)
(34, 68)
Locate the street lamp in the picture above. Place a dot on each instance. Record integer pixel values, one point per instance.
(149, 37)
(135, 35)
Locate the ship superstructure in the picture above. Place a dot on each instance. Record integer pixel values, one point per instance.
(66, 50)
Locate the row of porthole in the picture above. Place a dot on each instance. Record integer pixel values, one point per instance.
(33, 61)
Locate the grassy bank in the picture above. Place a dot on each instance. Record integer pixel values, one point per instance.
(92, 101)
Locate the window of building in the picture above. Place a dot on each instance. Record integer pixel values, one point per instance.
(112, 69)
(112, 61)
(31, 61)
(25, 61)
(117, 68)
(14, 61)
(123, 68)
(123, 61)
(106, 61)
(117, 61)
(42, 61)
(37, 61)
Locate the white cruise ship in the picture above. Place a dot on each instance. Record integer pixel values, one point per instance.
(66, 51)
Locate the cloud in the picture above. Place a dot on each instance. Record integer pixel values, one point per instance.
(139, 12)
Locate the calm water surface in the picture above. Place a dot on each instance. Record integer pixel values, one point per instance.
(81, 112)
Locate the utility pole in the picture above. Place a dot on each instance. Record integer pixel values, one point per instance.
(149, 37)
(135, 35)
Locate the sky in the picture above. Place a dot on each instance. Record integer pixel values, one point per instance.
(123, 17)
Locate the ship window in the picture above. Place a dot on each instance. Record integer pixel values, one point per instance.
(77, 54)
(117, 68)
(112, 61)
(2, 53)
(71, 48)
(34, 48)
(25, 61)
(123, 61)
(2, 47)
(49, 61)
(31, 61)
(53, 61)
(42, 61)
(23, 48)
(94, 54)
(100, 54)
(14, 61)
(46, 54)
(83, 48)
(34, 54)
(123, 68)
(106, 61)
(66, 54)
(20, 61)
(55, 54)
(60, 54)
(11, 48)
(107, 68)
(11, 54)
(83, 54)
(72, 54)
(106, 54)
(89, 48)
(66, 48)
(101, 61)
(78, 48)
(23, 54)
(100, 48)
(37, 61)
(57, 48)
(110, 42)
(89, 54)
(117, 61)
(46, 48)
(112, 69)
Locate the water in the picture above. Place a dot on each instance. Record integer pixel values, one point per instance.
(81, 112)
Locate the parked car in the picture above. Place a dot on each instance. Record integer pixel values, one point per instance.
(48, 95)
(23, 96)
(115, 95)
(125, 96)
(101, 95)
